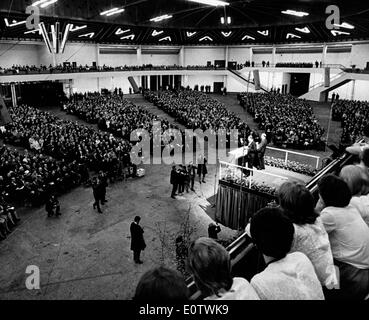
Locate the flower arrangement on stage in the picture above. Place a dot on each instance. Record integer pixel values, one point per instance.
(291, 166)
(233, 175)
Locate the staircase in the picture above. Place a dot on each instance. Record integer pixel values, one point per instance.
(240, 78)
(134, 85)
(319, 91)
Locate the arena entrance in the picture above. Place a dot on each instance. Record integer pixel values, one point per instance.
(218, 87)
(299, 84)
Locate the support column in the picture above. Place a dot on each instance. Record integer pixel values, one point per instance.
(353, 89)
(98, 55)
(139, 55)
(161, 81)
(274, 56)
(149, 82)
(182, 56)
(324, 55)
(251, 55)
(14, 95)
(226, 56)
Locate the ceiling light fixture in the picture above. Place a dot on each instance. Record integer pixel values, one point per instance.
(344, 25)
(131, 37)
(120, 31)
(156, 33)
(90, 35)
(76, 28)
(46, 4)
(226, 34)
(265, 33)
(161, 18)
(111, 12)
(337, 33)
(295, 13)
(206, 38)
(215, 3)
(190, 34)
(13, 23)
(248, 37)
(303, 30)
(39, 2)
(291, 36)
(166, 39)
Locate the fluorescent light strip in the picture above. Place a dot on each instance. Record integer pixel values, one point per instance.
(39, 2)
(291, 36)
(248, 37)
(76, 28)
(14, 23)
(156, 33)
(114, 12)
(206, 38)
(46, 4)
(344, 25)
(32, 31)
(295, 13)
(65, 37)
(304, 30)
(215, 3)
(108, 11)
(337, 33)
(161, 18)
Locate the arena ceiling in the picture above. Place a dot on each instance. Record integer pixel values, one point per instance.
(251, 21)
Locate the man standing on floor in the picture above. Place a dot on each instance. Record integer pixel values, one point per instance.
(103, 184)
(192, 173)
(96, 188)
(174, 181)
(137, 240)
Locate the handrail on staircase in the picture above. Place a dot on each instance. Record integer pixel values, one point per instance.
(319, 84)
(248, 81)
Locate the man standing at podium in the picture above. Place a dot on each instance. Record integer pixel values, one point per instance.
(261, 148)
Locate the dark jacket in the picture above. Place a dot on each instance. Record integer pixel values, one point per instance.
(262, 147)
(137, 239)
(173, 177)
(202, 169)
(213, 231)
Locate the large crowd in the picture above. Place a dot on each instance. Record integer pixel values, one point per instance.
(197, 110)
(307, 249)
(354, 117)
(288, 121)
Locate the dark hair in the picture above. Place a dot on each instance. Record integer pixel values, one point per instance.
(334, 191)
(210, 264)
(297, 202)
(161, 285)
(366, 131)
(364, 157)
(272, 232)
(137, 219)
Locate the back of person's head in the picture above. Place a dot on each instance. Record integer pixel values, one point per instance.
(334, 191)
(354, 177)
(137, 219)
(364, 157)
(297, 202)
(161, 285)
(366, 131)
(272, 232)
(210, 264)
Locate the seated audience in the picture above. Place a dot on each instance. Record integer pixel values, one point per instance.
(288, 276)
(161, 285)
(210, 265)
(348, 236)
(289, 121)
(310, 236)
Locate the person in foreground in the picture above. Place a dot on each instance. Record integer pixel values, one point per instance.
(288, 276)
(210, 265)
(137, 239)
(161, 285)
(348, 235)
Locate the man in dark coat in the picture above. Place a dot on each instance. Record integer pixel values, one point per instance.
(213, 231)
(202, 169)
(137, 240)
(174, 181)
(192, 173)
(103, 184)
(261, 148)
(96, 188)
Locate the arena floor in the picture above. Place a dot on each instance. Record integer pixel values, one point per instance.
(85, 255)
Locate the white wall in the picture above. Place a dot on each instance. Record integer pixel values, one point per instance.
(200, 56)
(298, 57)
(117, 60)
(160, 59)
(354, 90)
(22, 54)
(240, 55)
(360, 55)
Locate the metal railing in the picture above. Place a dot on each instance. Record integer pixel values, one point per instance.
(288, 152)
(321, 84)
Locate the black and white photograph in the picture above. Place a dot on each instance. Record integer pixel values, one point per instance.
(178, 155)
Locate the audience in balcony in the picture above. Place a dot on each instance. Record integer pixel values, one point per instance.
(210, 265)
(294, 65)
(287, 276)
(357, 181)
(348, 236)
(288, 121)
(310, 236)
(161, 285)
